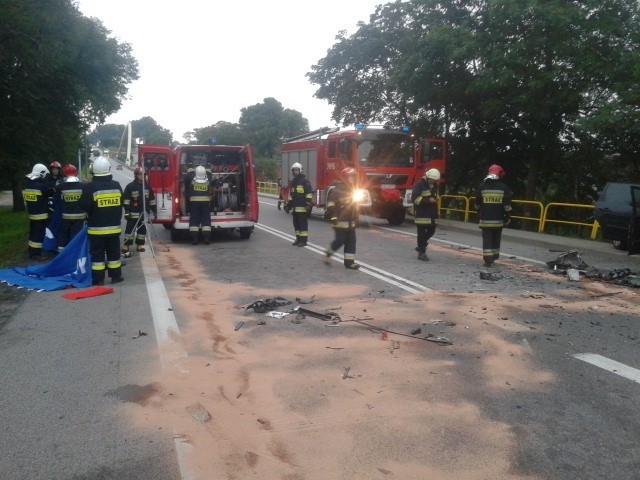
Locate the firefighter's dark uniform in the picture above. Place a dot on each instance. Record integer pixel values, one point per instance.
(198, 196)
(102, 200)
(73, 216)
(425, 213)
(300, 202)
(136, 230)
(493, 202)
(36, 194)
(343, 211)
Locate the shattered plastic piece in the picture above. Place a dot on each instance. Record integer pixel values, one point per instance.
(264, 305)
(199, 413)
(570, 259)
(140, 334)
(417, 331)
(490, 276)
(275, 314)
(573, 274)
(239, 326)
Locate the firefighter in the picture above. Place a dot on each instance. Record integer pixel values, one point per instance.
(36, 194)
(343, 211)
(54, 177)
(198, 197)
(300, 203)
(133, 204)
(425, 200)
(73, 216)
(493, 203)
(101, 199)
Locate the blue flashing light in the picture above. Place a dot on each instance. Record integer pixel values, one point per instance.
(405, 129)
(359, 127)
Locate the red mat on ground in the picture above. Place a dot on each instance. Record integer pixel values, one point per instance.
(92, 292)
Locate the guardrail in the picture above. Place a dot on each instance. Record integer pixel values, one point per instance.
(462, 206)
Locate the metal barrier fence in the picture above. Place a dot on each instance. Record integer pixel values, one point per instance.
(461, 206)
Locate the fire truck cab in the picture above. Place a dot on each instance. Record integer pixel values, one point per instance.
(230, 169)
(388, 161)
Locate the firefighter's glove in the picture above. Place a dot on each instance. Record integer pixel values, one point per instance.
(433, 200)
(50, 204)
(127, 215)
(334, 221)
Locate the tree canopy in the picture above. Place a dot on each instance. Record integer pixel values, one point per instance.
(547, 88)
(59, 73)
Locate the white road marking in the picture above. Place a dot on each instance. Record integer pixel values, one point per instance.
(612, 366)
(462, 245)
(167, 333)
(446, 242)
(388, 277)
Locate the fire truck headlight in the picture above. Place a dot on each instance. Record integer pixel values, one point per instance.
(362, 197)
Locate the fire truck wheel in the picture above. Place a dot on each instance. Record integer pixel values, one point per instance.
(175, 234)
(396, 217)
(245, 233)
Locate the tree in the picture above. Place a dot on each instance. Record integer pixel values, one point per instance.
(147, 130)
(524, 83)
(224, 133)
(59, 73)
(266, 123)
(108, 135)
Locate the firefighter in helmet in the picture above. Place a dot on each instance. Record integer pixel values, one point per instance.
(101, 199)
(493, 203)
(300, 203)
(36, 194)
(135, 202)
(342, 208)
(425, 200)
(72, 215)
(199, 199)
(55, 175)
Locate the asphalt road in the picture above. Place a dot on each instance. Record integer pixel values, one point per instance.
(75, 372)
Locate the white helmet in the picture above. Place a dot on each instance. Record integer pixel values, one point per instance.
(38, 171)
(101, 167)
(201, 172)
(296, 165)
(432, 174)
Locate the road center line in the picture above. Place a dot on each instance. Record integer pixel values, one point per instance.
(388, 277)
(612, 366)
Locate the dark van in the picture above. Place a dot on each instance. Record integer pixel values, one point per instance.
(617, 205)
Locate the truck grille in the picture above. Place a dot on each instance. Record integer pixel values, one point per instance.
(387, 179)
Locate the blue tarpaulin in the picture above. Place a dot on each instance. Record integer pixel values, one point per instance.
(70, 268)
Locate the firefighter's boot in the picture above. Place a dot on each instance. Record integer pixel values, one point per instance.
(327, 257)
(207, 239)
(140, 248)
(126, 253)
(194, 238)
(352, 266)
(423, 256)
(296, 241)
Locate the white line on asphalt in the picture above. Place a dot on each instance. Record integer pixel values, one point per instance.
(167, 331)
(388, 277)
(462, 245)
(605, 363)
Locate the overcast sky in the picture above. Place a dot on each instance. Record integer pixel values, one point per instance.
(202, 61)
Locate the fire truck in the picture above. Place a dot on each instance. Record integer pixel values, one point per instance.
(388, 161)
(234, 202)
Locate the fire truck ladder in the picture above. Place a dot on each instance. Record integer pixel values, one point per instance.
(311, 135)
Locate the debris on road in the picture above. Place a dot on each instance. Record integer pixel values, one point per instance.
(567, 260)
(276, 314)
(494, 277)
(239, 326)
(140, 334)
(331, 316)
(572, 265)
(345, 375)
(267, 304)
(198, 413)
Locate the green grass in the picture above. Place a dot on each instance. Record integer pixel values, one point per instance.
(14, 233)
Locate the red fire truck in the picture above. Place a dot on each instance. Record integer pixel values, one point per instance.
(388, 162)
(234, 203)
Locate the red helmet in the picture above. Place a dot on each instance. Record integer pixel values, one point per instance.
(348, 171)
(55, 165)
(70, 171)
(496, 170)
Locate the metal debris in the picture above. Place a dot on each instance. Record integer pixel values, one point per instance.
(239, 326)
(332, 316)
(570, 259)
(267, 304)
(490, 276)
